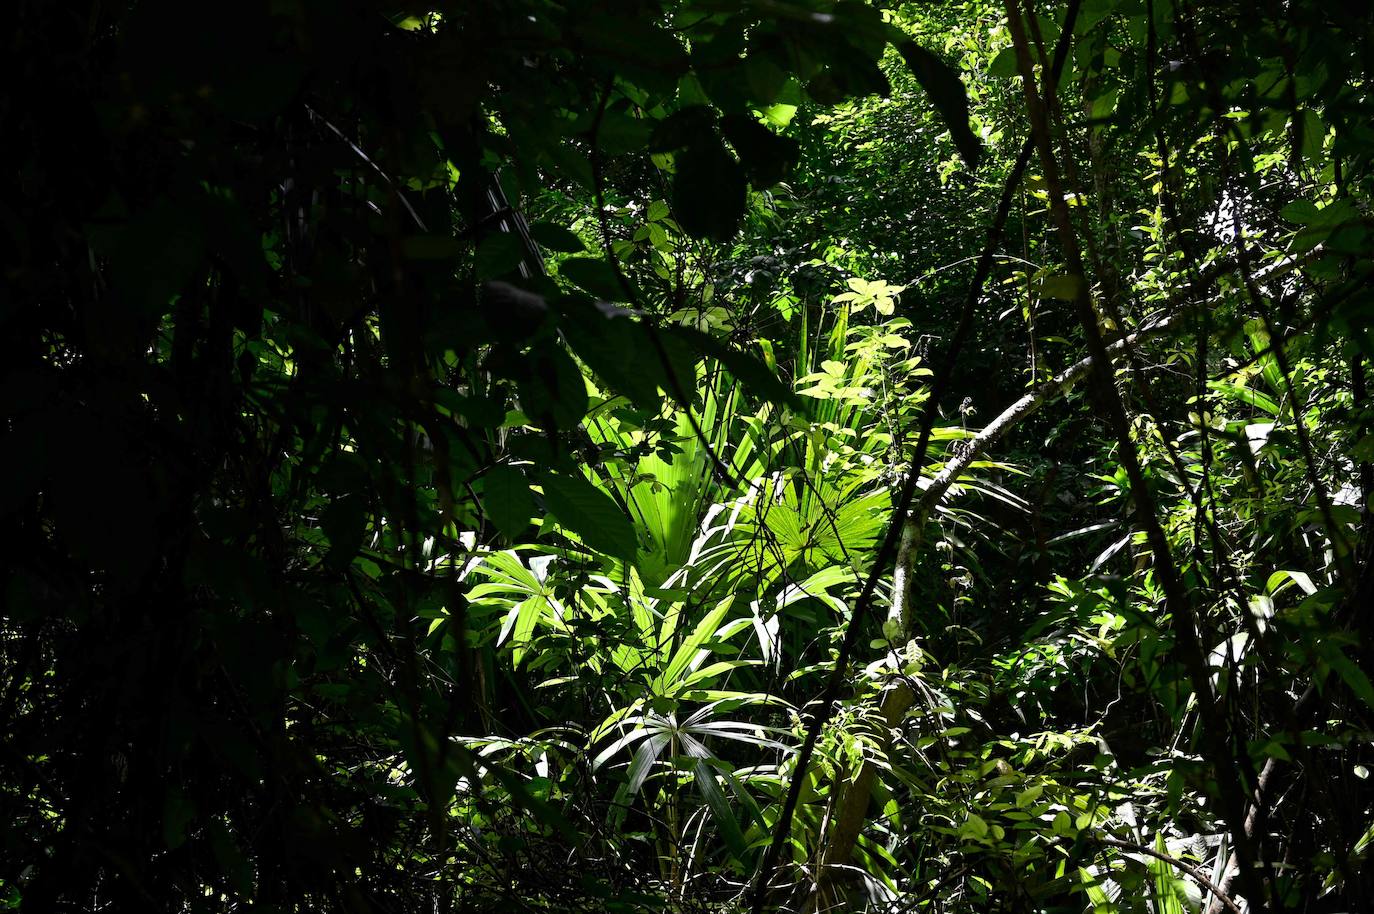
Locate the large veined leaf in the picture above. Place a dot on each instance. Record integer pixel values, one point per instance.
(554, 394)
(946, 90)
(507, 501)
(708, 190)
(590, 513)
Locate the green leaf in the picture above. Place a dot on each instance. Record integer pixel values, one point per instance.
(1104, 104)
(705, 779)
(554, 393)
(780, 115)
(682, 128)
(1170, 893)
(617, 348)
(1313, 132)
(765, 78)
(590, 513)
(556, 238)
(498, 254)
(692, 650)
(635, 41)
(643, 761)
(1302, 212)
(527, 614)
(621, 133)
(1247, 395)
(1093, 12)
(1354, 677)
(767, 157)
(594, 276)
(1003, 66)
(1064, 287)
(974, 827)
(747, 369)
(506, 500)
(344, 522)
(946, 90)
(511, 312)
(709, 191)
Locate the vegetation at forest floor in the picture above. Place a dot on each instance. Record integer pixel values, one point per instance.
(687, 456)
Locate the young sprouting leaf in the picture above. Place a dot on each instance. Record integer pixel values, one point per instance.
(877, 292)
(946, 90)
(590, 513)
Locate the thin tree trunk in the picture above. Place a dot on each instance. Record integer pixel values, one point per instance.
(1218, 748)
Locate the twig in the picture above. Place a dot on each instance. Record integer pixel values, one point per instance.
(1186, 868)
(375, 167)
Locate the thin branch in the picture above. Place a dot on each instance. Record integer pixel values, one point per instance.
(375, 167)
(1060, 384)
(1185, 868)
(1219, 748)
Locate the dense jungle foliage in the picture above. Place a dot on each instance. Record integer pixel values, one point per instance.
(687, 455)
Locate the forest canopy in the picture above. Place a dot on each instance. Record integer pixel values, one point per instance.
(687, 455)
